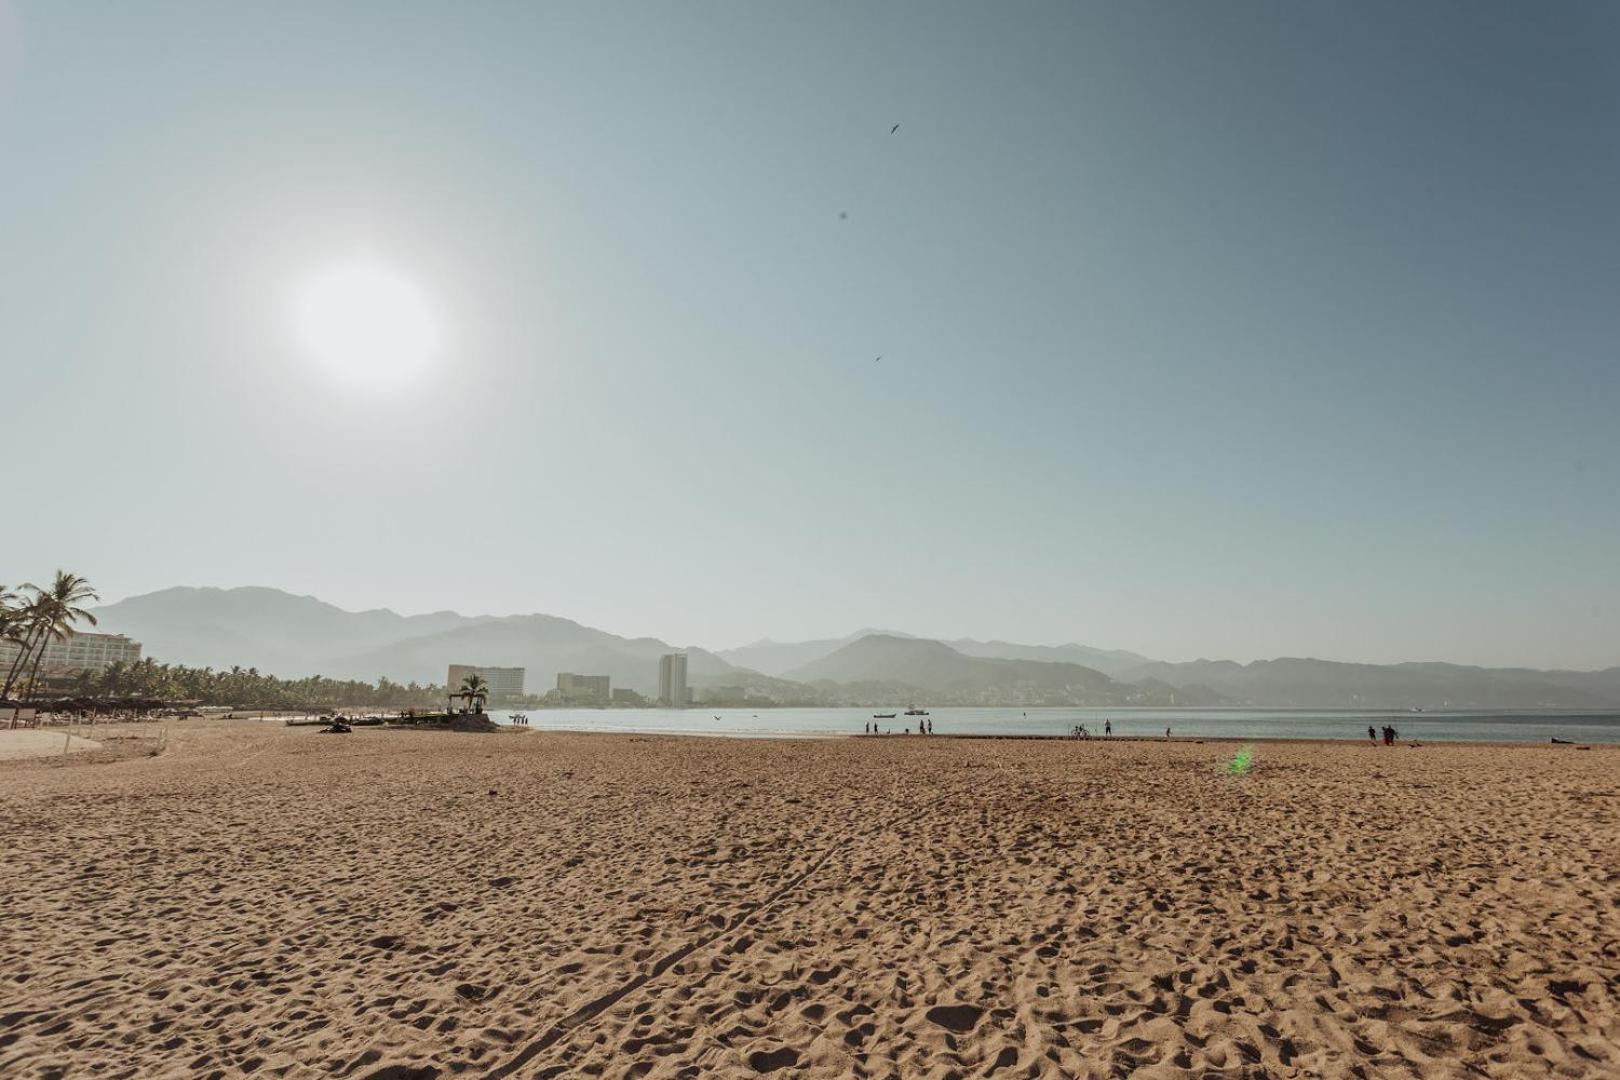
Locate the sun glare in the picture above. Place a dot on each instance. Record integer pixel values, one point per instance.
(367, 322)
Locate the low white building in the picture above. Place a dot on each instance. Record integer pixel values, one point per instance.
(78, 652)
(504, 682)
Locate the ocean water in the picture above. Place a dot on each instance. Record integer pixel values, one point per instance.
(1349, 725)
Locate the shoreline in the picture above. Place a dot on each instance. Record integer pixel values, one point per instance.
(1176, 740)
(279, 721)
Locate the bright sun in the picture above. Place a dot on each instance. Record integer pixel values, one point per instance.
(368, 322)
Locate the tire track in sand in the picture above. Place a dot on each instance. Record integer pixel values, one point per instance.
(591, 1009)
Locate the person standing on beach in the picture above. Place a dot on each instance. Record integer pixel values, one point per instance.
(1166, 734)
(1108, 727)
(1372, 736)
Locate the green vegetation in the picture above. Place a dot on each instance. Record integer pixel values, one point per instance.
(248, 689)
(35, 617)
(474, 691)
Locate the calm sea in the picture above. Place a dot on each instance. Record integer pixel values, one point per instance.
(1520, 726)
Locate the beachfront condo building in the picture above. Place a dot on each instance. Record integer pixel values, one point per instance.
(78, 652)
(584, 689)
(672, 691)
(505, 683)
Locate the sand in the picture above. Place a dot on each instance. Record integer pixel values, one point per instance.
(274, 902)
(41, 742)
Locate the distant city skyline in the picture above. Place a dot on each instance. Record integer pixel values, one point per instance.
(1235, 331)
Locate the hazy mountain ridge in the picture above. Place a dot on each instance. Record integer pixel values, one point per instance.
(779, 657)
(545, 644)
(1111, 662)
(293, 636)
(1303, 682)
(932, 671)
(277, 632)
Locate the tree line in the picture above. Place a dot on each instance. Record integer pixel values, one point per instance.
(249, 688)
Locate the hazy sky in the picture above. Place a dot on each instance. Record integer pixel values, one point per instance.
(1234, 330)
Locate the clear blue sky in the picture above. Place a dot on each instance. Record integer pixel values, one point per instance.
(1233, 330)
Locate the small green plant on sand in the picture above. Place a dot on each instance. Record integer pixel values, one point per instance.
(1241, 762)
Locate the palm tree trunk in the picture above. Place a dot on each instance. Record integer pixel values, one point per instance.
(26, 649)
(33, 676)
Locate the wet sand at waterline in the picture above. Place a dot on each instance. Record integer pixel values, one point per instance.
(269, 901)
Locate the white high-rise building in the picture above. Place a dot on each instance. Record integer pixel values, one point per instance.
(672, 680)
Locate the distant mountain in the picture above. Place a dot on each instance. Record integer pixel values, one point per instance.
(292, 636)
(1304, 683)
(1111, 662)
(907, 669)
(288, 635)
(779, 657)
(275, 631)
(545, 644)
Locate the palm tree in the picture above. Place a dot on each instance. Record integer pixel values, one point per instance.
(13, 631)
(22, 628)
(8, 609)
(51, 615)
(14, 626)
(474, 689)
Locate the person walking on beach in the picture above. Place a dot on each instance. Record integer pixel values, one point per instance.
(930, 727)
(1166, 734)
(1372, 736)
(1108, 727)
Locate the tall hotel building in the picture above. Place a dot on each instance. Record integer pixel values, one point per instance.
(672, 680)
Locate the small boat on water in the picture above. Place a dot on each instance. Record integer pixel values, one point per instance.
(914, 711)
(883, 716)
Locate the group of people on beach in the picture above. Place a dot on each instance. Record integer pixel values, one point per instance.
(1390, 735)
(1079, 730)
(924, 727)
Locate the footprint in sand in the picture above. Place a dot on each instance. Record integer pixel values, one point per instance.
(769, 1061)
(957, 1018)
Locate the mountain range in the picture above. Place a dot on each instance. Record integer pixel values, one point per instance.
(780, 658)
(293, 636)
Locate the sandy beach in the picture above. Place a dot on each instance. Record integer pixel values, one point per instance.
(42, 742)
(259, 900)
